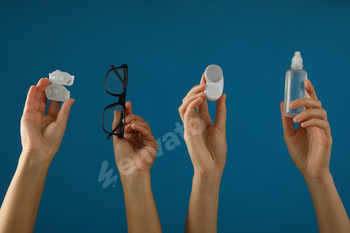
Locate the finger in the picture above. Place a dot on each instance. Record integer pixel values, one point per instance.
(310, 90)
(192, 108)
(43, 99)
(128, 108)
(221, 112)
(29, 105)
(131, 117)
(203, 107)
(321, 124)
(129, 130)
(287, 123)
(188, 101)
(145, 131)
(140, 123)
(54, 106)
(116, 120)
(311, 113)
(63, 114)
(40, 87)
(203, 80)
(194, 90)
(305, 102)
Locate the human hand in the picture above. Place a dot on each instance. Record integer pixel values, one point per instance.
(136, 152)
(310, 145)
(206, 143)
(42, 134)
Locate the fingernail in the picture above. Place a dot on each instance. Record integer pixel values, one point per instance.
(127, 119)
(293, 103)
(304, 124)
(297, 118)
(127, 128)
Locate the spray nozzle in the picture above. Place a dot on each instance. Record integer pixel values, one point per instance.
(297, 61)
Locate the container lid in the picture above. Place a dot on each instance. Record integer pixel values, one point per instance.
(60, 77)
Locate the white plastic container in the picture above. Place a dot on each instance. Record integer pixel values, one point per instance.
(294, 85)
(56, 91)
(215, 82)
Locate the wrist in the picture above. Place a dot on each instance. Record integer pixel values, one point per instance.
(319, 176)
(209, 173)
(209, 176)
(210, 180)
(135, 178)
(207, 186)
(35, 160)
(319, 179)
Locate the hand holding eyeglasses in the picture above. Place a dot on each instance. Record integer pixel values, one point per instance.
(136, 152)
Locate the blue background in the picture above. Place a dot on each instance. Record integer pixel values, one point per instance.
(167, 45)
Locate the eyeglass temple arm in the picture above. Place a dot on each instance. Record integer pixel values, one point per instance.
(116, 72)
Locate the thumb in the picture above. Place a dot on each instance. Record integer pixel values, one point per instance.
(221, 111)
(116, 120)
(287, 123)
(63, 114)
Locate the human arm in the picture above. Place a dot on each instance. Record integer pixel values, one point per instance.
(206, 144)
(41, 137)
(310, 149)
(135, 155)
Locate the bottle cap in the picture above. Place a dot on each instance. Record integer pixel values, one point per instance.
(297, 61)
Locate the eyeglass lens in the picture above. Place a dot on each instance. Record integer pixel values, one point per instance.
(113, 117)
(114, 82)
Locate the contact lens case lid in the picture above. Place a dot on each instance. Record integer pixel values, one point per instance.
(213, 73)
(60, 77)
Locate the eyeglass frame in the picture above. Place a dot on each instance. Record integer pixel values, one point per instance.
(121, 101)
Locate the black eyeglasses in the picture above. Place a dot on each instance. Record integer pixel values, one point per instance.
(113, 116)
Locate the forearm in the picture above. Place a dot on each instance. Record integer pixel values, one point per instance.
(141, 210)
(330, 212)
(203, 206)
(20, 206)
